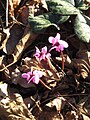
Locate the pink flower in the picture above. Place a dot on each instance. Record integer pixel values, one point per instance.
(33, 76)
(58, 44)
(43, 54)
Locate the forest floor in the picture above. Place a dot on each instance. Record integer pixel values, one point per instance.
(63, 91)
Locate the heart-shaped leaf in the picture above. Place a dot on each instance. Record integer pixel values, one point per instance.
(82, 29)
(40, 23)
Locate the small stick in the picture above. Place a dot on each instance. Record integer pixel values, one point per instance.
(45, 85)
(62, 60)
(6, 13)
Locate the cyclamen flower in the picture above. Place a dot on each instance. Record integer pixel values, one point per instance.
(57, 44)
(33, 76)
(43, 54)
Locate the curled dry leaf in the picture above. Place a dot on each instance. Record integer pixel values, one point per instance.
(84, 106)
(57, 102)
(27, 39)
(16, 33)
(12, 106)
(82, 63)
(7, 32)
(3, 89)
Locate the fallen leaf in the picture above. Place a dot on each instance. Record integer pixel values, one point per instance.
(26, 40)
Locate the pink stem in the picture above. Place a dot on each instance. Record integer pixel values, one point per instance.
(62, 60)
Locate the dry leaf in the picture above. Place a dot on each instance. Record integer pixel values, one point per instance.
(85, 117)
(82, 63)
(50, 115)
(7, 32)
(16, 33)
(27, 39)
(57, 102)
(3, 89)
(12, 5)
(15, 109)
(84, 105)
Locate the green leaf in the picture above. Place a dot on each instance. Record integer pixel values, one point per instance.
(82, 29)
(87, 19)
(62, 7)
(40, 23)
(55, 18)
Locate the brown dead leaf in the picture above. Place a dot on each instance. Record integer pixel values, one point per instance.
(85, 117)
(7, 32)
(16, 33)
(12, 5)
(27, 39)
(73, 115)
(40, 2)
(82, 63)
(12, 105)
(84, 105)
(50, 115)
(57, 102)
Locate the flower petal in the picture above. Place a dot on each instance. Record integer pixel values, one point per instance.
(37, 50)
(44, 49)
(60, 48)
(48, 55)
(25, 75)
(30, 73)
(36, 79)
(37, 54)
(64, 43)
(51, 40)
(57, 37)
(31, 79)
(38, 73)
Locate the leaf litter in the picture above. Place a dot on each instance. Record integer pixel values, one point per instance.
(62, 94)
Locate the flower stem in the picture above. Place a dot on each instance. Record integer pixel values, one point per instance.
(62, 60)
(45, 85)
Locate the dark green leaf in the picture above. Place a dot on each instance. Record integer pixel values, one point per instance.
(62, 7)
(82, 29)
(39, 23)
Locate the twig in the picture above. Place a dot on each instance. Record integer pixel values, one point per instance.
(45, 85)
(62, 60)
(36, 104)
(6, 13)
(71, 95)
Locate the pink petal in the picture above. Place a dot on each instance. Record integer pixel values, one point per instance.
(44, 49)
(51, 40)
(37, 50)
(60, 48)
(36, 80)
(65, 44)
(29, 73)
(38, 73)
(43, 57)
(48, 55)
(31, 79)
(25, 75)
(57, 37)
